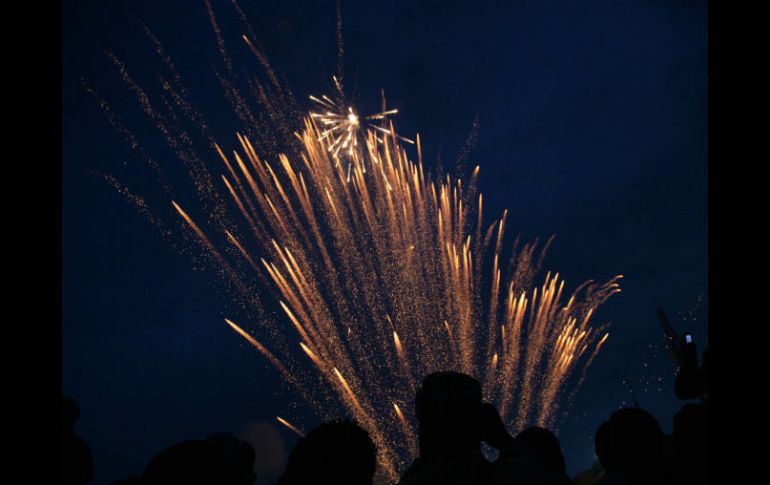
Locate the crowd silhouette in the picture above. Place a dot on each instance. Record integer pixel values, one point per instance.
(453, 422)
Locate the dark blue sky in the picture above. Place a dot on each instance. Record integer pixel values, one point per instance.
(592, 127)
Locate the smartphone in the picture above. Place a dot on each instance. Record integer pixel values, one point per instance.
(689, 355)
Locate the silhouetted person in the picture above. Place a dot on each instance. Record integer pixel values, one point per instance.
(535, 456)
(129, 481)
(448, 410)
(636, 447)
(337, 452)
(543, 446)
(691, 380)
(77, 462)
(453, 422)
(607, 471)
(603, 446)
(704, 372)
(239, 455)
(191, 462)
(611, 474)
(691, 439)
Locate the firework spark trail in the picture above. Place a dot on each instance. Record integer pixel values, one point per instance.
(177, 89)
(290, 426)
(340, 45)
(180, 142)
(257, 50)
(380, 270)
(139, 204)
(115, 121)
(268, 355)
(228, 269)
(256, 125)
(220, 40)
(168, 62)
(406, 430)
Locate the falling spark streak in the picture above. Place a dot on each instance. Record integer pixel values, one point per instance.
(399, 413)
(406, 430)
(312, 356)
(347, 388)
(259, 347)
(399, 349)
(290, 426)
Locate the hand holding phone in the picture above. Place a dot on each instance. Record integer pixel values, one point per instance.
(689, 354)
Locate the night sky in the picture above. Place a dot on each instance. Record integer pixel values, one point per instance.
(592, 127)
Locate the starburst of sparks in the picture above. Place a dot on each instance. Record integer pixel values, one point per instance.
(380, 279)
(342, 127)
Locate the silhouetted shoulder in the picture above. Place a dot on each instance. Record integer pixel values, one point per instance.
(339, 452)
(191, 462)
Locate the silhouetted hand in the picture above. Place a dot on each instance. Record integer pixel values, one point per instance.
(493, 430)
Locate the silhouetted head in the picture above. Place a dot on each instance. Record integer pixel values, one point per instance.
(637, 442)
(129, 481)
(603, 446)
(691, 426)
(542, 446)
(190, 462)
(77, 461)
(339, 452)
(240, 457)
(448, 408)
(70, 414)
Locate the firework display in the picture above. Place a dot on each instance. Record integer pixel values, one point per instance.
(379, 279)
(382, 271)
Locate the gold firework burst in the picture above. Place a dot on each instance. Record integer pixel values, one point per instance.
(341, 126)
